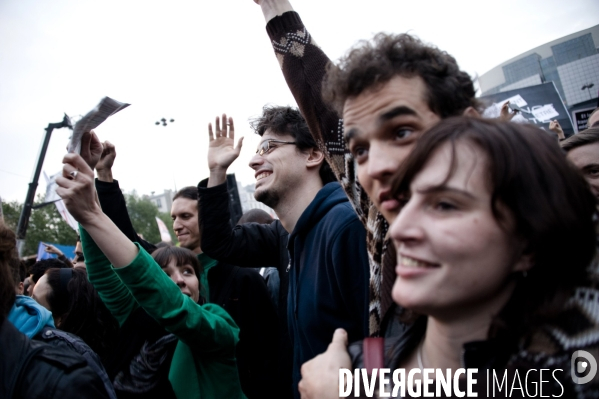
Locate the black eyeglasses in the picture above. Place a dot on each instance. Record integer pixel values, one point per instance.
(265, 147)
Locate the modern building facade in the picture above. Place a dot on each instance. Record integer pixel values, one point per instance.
(163, 201)
(571, 63)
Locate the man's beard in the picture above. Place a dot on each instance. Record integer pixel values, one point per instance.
(269, 198)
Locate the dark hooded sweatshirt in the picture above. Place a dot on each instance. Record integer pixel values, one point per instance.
(327, 271)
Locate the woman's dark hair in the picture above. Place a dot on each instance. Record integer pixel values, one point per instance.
(288, 120)
(74, 299)
(546, 197)
(370, 64)
(40, 267)
(182, 256)
(8, 245)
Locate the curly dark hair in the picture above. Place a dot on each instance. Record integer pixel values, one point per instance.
(530, 179)
(370, 64)
(80, 309)
(288, 120)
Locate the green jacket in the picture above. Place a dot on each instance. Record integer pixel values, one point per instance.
(203, 364)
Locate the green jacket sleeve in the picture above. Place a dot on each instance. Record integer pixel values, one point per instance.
(111, 289)
(208, 329)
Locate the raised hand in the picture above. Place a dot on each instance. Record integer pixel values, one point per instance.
(76, 188)
(104, 166)
(272, 8)
(51, 249)
(555, 127)
(221, 150)
(505, 114)
(91, 149)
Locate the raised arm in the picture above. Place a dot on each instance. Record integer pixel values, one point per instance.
(112, 199)
(51, 249)
(304, 66)
(209, 328)
(238, 246)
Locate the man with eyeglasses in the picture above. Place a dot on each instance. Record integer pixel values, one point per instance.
(318, 244)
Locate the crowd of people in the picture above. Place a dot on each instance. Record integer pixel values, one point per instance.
(410, 233)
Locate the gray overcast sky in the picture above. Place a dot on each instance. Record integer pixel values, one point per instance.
(191, 60)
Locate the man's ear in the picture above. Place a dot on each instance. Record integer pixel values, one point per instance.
(315, 158)
(471, 112)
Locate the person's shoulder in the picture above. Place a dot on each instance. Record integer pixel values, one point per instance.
(58, 356)
(64, 373)
(343, 215)
(66, 341)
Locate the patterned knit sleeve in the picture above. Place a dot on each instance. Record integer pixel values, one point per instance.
(304, 65)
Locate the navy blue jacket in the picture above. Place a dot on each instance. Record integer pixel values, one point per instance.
(326, 266)
(328, 277)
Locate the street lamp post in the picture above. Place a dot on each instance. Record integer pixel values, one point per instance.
(588, 86)
(28, 205)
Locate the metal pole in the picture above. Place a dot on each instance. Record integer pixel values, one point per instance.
(27, 206)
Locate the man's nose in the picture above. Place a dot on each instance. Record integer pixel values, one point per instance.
(256, 161)
(381, 163)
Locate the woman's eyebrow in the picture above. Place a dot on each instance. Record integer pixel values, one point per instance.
(444, 188)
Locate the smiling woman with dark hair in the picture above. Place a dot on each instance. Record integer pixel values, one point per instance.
(494, 240)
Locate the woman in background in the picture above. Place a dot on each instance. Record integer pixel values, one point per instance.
(203, 363)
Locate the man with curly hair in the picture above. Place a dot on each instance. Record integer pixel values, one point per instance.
(367, 112)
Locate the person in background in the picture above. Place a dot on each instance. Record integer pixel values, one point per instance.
(583, 151)
(38, 269)
(36, 365)
(555, 127)
(127, 277)
(77, 308)
(593, 119)
(270, 274)
(51, 249)
(19, 272)
(241, 292)
(79, 260)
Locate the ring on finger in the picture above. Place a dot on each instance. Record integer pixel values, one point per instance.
(74, 174)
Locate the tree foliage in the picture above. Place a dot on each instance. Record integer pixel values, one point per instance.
(45, 224)
(143, 213)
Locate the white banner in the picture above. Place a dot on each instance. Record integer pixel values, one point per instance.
(164, 233)
(52, 196)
